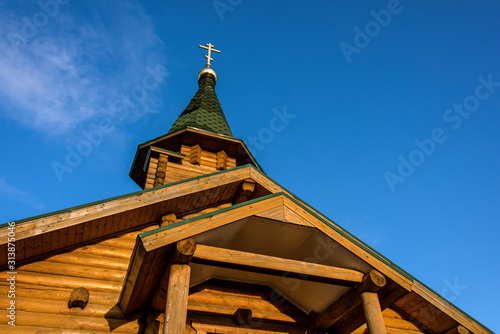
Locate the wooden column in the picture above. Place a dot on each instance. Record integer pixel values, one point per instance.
(178, 287)
(373, 313)
(177, 299)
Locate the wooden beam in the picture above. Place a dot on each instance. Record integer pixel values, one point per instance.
(372, 282)
(246, 190)
(228, 258)
(177, 299)
(373, 313)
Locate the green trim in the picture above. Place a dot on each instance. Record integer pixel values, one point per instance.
(180, 130)
(205, 215)
(168, 152)
(73, 208)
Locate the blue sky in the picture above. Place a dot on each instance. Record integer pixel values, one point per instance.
(394, 110)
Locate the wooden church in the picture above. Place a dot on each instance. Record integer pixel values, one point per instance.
(210, 244)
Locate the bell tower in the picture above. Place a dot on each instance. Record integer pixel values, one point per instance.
(199, 142)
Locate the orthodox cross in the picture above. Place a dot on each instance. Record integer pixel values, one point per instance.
(209, 48)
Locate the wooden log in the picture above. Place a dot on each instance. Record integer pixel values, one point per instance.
(185, 149)
(118, 243)
(398, 323)
(246, 190)
(372, 282)
(168, 219)
(37, 292)
(153, 165)
(57, 268)
(458, 330)
(221, 159)
(79, 298)
(8, 329)
(163, 158)
(184, 251)
(275, 266)
(226, 310)
(208, 324)
(177, 299)
(373, 313)
(104, 251)
(64, 281)
(61, 307)
(90, 260)
(254, 303)
(160, 174)
(242, 316)
(67, 322)
(154, 160)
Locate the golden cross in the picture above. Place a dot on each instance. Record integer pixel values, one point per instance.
(209, 48)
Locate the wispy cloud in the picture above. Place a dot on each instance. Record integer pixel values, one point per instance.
(77, 63)
(19, 195)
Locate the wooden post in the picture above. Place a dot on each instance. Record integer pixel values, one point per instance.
(373, 313)
(177, 299)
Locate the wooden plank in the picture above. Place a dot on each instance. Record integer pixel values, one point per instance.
(373, 313)
(112, 207)
(166, 237)
(133, 271)
(70, 241)
(20, 250)
(177, 299)
(275, 266)
(78, 234)
(55, 240)
(29, 248)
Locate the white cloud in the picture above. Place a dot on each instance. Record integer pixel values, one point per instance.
(73, 67)
(19, 195)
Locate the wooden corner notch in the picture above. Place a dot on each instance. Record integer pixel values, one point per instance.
(246, 190)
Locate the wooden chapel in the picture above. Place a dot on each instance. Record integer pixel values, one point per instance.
(210, 244)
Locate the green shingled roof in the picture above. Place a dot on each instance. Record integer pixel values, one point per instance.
(204, 111)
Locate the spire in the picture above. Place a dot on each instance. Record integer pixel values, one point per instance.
(204, 111)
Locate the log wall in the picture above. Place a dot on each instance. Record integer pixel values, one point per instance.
(43, 289)
(162, 170)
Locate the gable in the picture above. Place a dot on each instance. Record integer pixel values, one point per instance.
(205, 211)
